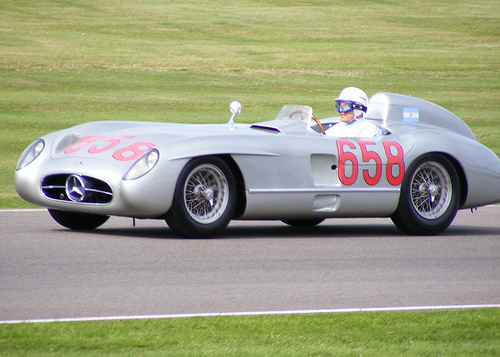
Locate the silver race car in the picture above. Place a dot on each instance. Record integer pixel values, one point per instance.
(425, 167)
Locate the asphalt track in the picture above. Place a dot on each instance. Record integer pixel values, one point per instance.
(48, 272)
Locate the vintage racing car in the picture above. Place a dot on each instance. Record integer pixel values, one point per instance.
(425, 167)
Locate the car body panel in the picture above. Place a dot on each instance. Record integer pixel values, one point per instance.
(288, 169)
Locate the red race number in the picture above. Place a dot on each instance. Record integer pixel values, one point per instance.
(394, 165)
(132, 152)
(344, 157)
(394, 160)
(99, 144)
(112, 142)
(367, 156)
(80, 144)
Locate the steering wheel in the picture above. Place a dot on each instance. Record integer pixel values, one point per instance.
(319, 124)
(315, 119)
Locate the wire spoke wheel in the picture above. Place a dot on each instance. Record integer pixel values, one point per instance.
(430, 196)
(431, 190)
(206, 193)
(204, 199)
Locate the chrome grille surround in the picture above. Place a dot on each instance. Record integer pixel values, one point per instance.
(77, 188)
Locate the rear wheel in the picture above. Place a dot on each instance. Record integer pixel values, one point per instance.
(429, 196)
(204, 199)
(78, 221)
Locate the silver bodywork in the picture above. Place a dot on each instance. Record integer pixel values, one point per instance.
(285, 168)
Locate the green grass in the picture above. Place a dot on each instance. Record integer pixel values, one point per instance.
(450, 333)
(74, 61)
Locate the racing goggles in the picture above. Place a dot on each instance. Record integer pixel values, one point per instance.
(344, 106)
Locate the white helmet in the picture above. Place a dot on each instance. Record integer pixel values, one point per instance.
(357, 99)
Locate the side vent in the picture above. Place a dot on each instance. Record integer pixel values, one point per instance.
(267, 129)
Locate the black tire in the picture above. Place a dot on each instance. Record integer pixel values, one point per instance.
(430, 196)
(78, 221)
(204, 199)
(303, 222)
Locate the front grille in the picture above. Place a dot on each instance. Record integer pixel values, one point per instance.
(89, 190)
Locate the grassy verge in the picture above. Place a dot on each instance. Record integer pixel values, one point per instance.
(449, 333)
(73, 61)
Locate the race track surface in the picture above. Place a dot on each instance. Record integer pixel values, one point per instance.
(49, 272)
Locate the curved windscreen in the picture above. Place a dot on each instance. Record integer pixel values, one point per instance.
(298, 112)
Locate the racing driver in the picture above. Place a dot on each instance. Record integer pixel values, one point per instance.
(352, 104)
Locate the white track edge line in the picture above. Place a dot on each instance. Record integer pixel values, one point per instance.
(259, 313)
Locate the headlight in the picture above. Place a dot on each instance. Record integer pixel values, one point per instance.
(143, 165)
(30, 154)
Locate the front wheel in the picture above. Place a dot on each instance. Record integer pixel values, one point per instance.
(204, 199)
(78, 221)
(430, 196)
